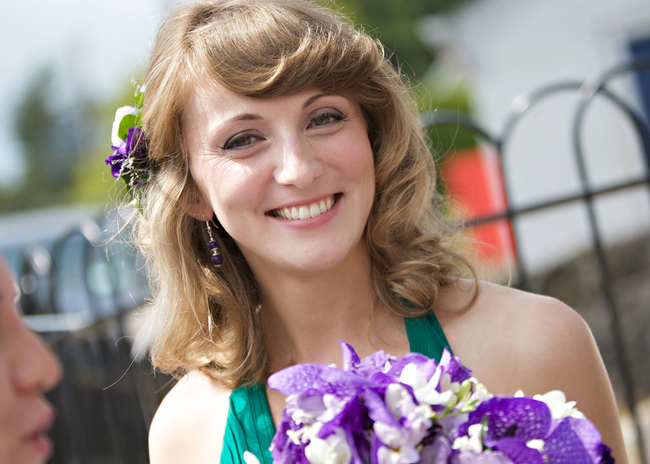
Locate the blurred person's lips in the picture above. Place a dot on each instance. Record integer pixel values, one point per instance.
(37, 438)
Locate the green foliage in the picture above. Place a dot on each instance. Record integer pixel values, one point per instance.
(51, 139)
(126, 122)
(445, 140)
(93, 182)
(64, 147)
(394, 23)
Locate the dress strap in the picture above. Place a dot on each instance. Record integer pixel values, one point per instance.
(426, 336)
(249, 426)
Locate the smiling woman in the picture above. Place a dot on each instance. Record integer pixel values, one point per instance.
(286, 202)
(300, 109)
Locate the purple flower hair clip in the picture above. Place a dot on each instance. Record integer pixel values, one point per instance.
(130, 159)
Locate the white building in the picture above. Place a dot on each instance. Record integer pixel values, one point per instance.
(500, 49)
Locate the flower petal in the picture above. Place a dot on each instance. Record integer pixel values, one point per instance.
(119, 114)
(518, 452)
(249, 458)
(377, 410)
(350, 357)
(569, 441)
(523, 418)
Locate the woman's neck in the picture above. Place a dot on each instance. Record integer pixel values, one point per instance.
(306, 315)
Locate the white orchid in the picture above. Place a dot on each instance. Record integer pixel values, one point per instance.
(426, 391)
(400, 446)
(402, 441)
(557, 403)
(116, 140)
(332, 450)
(473, 442)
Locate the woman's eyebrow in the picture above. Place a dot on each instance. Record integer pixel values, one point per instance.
(245, 117)
(313, 98)
(254, 117)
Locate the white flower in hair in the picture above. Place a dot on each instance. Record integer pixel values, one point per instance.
(116, 140)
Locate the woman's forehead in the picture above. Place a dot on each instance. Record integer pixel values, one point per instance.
(207, 99)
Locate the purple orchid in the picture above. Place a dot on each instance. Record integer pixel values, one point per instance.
(523, 418)
(130, 159)
(523, 430)
(374, 364)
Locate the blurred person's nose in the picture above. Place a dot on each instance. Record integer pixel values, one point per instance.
(35, 368)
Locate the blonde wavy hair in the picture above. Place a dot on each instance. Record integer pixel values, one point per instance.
(209, 318)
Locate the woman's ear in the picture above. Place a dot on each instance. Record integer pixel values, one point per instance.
(198, 208)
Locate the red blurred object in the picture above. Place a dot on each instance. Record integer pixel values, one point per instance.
(474, 181)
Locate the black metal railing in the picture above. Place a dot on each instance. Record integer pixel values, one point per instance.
(587, 91)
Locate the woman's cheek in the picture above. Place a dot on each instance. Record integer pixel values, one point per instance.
(237, 188)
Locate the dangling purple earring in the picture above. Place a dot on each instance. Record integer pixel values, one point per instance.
(216, 259)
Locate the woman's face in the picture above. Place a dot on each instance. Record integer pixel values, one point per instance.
(290, 178)
(27, 369)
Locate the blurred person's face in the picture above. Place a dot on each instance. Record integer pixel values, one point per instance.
(27, 369)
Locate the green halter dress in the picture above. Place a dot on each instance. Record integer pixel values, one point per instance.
(250, 427)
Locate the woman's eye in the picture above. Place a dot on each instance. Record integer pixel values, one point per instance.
(327, 118)
(239, 141)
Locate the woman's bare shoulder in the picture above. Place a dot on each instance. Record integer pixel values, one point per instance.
(514, 340)
(526, 313)
(545, 333)
(190, 423)
(513, 337)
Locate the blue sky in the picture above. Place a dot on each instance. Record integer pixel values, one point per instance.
(97, 45)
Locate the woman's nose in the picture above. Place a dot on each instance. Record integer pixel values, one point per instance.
(298, 163)
(36, 369)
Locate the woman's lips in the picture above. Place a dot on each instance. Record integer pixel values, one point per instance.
(37, 439)
(40, 443)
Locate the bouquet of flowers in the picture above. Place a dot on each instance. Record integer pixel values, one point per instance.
(415, 410)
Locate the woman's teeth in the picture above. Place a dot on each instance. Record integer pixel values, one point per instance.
(305, 211)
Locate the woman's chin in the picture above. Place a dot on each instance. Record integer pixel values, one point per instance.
(301, 262)
(311, 256)
(309, 265)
